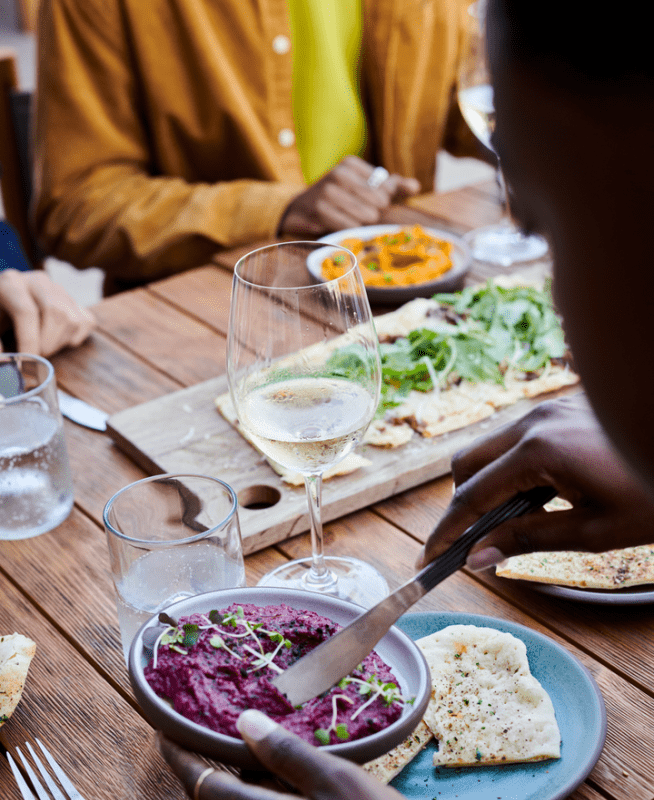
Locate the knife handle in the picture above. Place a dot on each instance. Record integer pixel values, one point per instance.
(455, 556)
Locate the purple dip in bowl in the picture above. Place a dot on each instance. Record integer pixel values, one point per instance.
(214, 666)
(401, 655)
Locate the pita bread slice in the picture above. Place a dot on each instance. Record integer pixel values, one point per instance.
(615, 569)
(16, 653)
(387, 766)
(486, 707)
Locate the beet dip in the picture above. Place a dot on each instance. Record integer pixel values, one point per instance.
(215, 665)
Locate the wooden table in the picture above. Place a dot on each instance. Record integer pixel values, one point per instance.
(56, 588)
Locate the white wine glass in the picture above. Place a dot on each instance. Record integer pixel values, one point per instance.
(503, 243)
(304, 376)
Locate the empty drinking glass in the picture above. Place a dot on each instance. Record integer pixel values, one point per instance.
(171, 537)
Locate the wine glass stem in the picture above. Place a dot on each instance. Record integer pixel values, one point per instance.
(318, 577)
(504, 189)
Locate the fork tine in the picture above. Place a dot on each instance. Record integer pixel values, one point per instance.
(70, 790)
(43, 795)
(27, 795)
(38, 788)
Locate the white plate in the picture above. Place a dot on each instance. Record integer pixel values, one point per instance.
(451, 281)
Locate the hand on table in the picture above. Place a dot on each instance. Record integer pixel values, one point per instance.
(43, 315)
(317, 775)
(343, 199)
(559, 444)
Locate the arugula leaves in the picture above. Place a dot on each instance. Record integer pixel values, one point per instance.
(493, 329)
(522, 321)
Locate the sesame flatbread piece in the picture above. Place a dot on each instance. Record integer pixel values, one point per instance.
(387, 766)
(615, 569)
(16, 653)
(486, 707)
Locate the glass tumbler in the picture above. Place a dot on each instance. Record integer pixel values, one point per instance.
(36, 492)
(171, 537)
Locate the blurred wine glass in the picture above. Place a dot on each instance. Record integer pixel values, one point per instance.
(503, 243)
(304, 376)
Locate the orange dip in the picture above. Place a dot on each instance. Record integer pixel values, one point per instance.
(405, 257)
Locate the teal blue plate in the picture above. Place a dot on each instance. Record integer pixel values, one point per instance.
(579, 709)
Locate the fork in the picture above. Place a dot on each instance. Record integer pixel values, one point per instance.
(68, 787)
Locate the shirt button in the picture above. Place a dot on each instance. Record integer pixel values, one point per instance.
(286, 137)
(281, 44)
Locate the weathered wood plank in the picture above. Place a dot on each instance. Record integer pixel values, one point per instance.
(183, 348)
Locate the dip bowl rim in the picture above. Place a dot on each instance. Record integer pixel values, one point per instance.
(399, 651)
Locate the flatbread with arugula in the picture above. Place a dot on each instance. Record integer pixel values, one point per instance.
(16, 653)
(453, 360)
(457, 358)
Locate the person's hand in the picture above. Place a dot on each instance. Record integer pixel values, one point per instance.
(559, 444)
(343, 199)
(315, 774)
(43, 315)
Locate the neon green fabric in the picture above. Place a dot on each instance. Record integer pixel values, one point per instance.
(329, 119)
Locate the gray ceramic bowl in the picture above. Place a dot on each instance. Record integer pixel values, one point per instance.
(396, 649)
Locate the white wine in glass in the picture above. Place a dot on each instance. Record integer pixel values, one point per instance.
(503, 243)
(304, 376)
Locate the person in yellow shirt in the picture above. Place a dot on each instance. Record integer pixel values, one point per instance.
(167, 130)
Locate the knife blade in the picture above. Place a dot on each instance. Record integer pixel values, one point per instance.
(82, 413)
(332, 660)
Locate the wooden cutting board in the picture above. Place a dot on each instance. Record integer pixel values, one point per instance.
(184, 432)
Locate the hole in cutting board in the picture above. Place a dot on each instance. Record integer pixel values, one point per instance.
(258, 497)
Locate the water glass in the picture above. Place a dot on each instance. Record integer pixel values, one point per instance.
(171, 537)
(36, 492)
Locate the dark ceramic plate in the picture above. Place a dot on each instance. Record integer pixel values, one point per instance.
(396, 649)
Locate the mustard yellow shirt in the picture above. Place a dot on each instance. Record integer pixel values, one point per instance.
(165, 129)
(330, 122)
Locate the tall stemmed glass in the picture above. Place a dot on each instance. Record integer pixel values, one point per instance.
(304, 377)
(503, 243)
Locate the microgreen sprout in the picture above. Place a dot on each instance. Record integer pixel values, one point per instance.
(218, 642)
(340, 729)
(375, 688)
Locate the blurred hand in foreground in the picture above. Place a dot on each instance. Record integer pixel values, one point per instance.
(44, 317)
(343, 199)
(559, 444)
(315, 774)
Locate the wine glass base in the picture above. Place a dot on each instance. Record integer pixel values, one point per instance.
(504, 244)
(348, 578)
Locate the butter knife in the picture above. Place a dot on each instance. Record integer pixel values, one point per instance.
(323, 667)
(82, 413)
